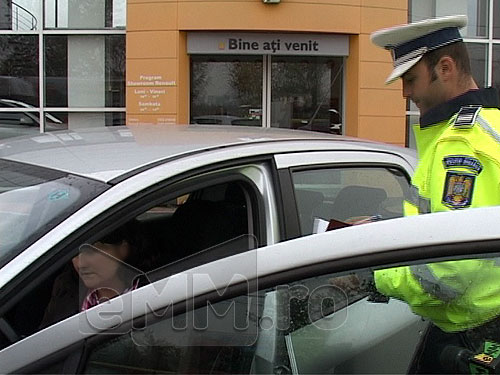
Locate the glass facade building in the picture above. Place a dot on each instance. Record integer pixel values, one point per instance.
(482, 37)
(62, 64)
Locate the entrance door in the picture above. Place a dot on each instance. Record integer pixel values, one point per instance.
(306, 93)
(226, 90)
(297, 92)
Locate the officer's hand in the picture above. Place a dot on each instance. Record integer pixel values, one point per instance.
(347, 283)
(358, 220)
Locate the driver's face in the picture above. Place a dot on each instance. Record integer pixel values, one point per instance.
(98, 265)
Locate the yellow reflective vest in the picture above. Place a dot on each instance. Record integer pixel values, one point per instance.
(459, 167)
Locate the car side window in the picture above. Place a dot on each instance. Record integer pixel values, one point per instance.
(333, 323)
(180, 227)
(347, 195)
(198, 220)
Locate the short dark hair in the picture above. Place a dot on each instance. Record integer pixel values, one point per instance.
(131, 233)
(126, 232)
(457, 51)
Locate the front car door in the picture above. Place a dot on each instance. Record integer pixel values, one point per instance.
(285, 308)
(226, 208)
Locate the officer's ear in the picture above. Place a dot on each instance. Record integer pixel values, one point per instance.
(446, 68)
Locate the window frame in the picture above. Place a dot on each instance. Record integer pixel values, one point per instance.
(41, 110)
(285, 175)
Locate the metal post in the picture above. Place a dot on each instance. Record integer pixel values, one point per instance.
(56, 16)
(41, 72)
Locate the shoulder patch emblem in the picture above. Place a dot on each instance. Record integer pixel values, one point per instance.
(458, 189)
(464, 161)
(466, 117)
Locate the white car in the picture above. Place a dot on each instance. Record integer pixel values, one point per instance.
(222, 281)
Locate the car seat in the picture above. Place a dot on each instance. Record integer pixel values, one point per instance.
(357, 200)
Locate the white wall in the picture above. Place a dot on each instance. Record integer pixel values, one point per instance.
(86, 74)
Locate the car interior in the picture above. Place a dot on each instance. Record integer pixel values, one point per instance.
(348, 194)
(204, 219)
(351, 201)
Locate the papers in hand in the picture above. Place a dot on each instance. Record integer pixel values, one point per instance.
(321, 225)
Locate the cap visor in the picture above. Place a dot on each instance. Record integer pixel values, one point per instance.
(402, 69)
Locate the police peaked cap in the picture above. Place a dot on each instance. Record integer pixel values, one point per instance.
(408, 43)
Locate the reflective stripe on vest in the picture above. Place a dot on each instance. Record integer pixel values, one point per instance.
(432, 284)
(488, 129)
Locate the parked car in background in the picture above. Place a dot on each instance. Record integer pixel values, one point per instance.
(213, 200)
(226, 120)
(13, 124)
(214, 119)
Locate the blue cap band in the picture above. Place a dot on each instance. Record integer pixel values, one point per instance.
(431, 41)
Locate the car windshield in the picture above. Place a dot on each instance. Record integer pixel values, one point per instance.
(33, 200)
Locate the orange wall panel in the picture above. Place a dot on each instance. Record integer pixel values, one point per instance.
(377, 18)
(334, 2)
(383, 129)
(164, 119)
(371, 52)
(330, 2)
(151, 100)
(150, 84)
(374, 74)
(150, 1)
(381, 102)
(391, 4)
(142, 69)
(152, 16)
(152, 44)
(255, 16)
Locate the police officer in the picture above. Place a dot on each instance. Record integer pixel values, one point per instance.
(458, 143)
(458, 136)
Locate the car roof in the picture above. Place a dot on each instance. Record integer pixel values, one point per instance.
(106, 153)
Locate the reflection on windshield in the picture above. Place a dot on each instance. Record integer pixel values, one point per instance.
(33, 200)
